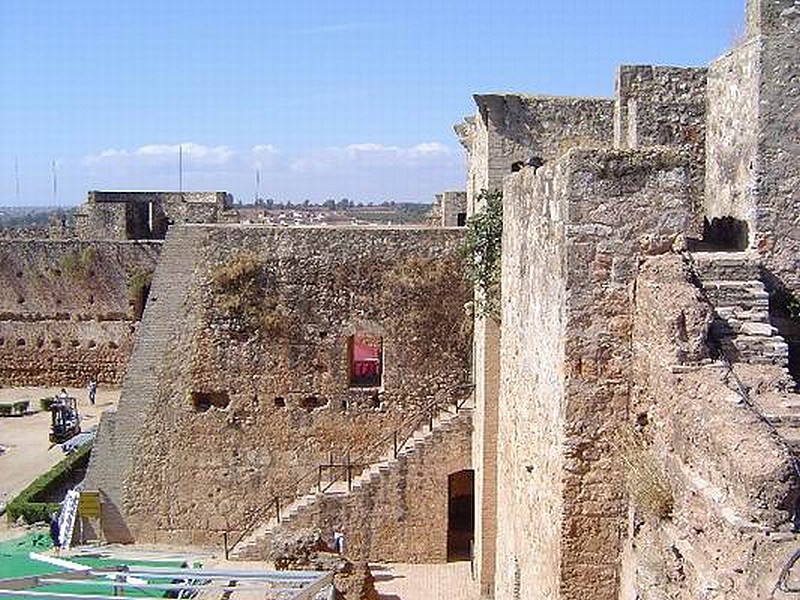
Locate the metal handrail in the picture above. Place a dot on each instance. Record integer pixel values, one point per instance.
(410, 425)
(418, 418)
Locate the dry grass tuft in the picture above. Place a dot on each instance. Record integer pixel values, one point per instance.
(646, 482)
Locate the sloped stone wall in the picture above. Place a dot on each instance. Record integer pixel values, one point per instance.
(66, 309)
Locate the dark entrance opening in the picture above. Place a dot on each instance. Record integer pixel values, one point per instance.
(460, 514)
(725, 233)
(461, 219)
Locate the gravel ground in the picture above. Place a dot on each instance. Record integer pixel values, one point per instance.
(26, 450)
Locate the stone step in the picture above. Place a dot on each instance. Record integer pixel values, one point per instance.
(248, 548)
(728, 267)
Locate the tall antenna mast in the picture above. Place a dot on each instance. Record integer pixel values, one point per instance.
(258, 184)
(16, 178)
(180, 168)
(55, 182)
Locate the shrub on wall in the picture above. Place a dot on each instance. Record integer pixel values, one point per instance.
(244, 295)
(79, 263)
(26, 504)
(482, 252)
(427, 286)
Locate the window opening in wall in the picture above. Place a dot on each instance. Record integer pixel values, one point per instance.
(366, 360)
(202, 401)
(280, 402)
(460, 514)
(461, 219)
(309, 403)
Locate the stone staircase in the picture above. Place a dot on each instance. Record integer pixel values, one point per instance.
(305, 511)
(758, 355)
(741, 325)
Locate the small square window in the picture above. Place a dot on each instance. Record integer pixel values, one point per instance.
(366, 360)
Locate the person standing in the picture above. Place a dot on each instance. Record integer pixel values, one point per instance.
(92, 388)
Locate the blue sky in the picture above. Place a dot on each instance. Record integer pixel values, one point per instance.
(328, 98)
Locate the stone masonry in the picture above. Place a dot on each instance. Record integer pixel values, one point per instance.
(244, 415)
(593, 344)
(569, 266)
(510, 132)
(145, 215)
(69, 309)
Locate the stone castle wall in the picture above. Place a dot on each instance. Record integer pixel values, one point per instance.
(508, 131)
(403, 515)
(754, 128)
(287, 399)
(67, 309)
(145, 215)
(732, 137)
(572, 235)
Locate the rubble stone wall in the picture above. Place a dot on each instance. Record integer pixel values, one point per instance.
(509, 129)
(664, 106)
(778, 215)
(573, 232)
(67, 312)
(731, 481)
(282, 399)
(731, 143)
(403, 515)
(754, 128)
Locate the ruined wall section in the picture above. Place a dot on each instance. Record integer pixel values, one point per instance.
(778, 225)
(281, 401)
(145, 215)
(519, 128)
(574, 233)
(727, 481)
(67, 309)
(507, 131)
(453, 207)
(664, 106)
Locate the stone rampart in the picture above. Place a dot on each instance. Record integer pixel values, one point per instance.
(572, 235)
(243, 413)
(68, 309)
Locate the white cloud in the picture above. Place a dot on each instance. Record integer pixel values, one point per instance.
(195, 156)
(371, 155)
(363, 171)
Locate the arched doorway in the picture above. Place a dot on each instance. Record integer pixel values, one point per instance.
(460, 514)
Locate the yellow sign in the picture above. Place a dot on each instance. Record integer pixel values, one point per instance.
(89, 505)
